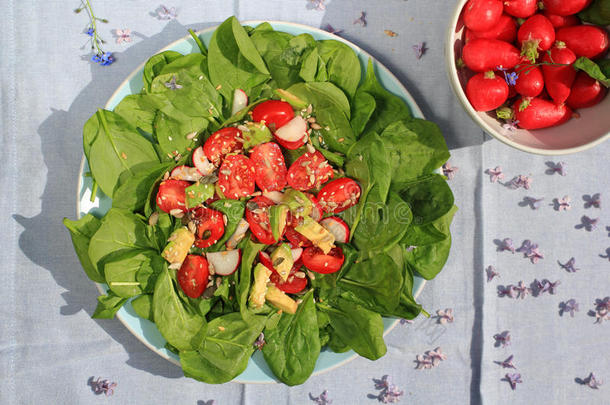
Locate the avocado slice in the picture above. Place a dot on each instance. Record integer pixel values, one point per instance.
(277, 297)
(291, 99)
(259, 287)
(180, 242)
(197, 193)
(255, 133)
(278, 214)
(298, 203)
(281, 258)
(317, 234)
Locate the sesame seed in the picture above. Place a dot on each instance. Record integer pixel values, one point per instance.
(221, 328)
(123, 155)
(219, 87)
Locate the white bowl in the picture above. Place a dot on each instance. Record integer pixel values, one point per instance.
(576, 135)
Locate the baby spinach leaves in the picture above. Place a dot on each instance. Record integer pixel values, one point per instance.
(81, 232)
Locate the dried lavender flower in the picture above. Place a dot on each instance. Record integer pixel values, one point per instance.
(445, 316)
(559, 167)
(505, 244)
(508, 363)
(495, 174)
(569, 306)
(569, 265)
(321, 399)
(491, 273)
(587, 223)
(513, 379)
(449, 171)
(502, 339)
(362, 19)
(100, 386)
(592, 200)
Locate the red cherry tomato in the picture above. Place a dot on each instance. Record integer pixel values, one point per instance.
(538, 113)
(482, 15)
(193, 275)
(221, 143)
(210, 226)
(269, 166)
(290, 145)
(275, 113)
(293, 284)
(565, 7)
(171, 195)
(257, 215)
(295, 239)
(586, 92)
(585, 40)
(236, 177)
(310, 170)
(315, 260)
(504, 30)
(339, 195)
(486, 91)
(521, 8)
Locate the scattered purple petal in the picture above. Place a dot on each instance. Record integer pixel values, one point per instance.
(445, 316)
(423, 362)
(513, 379)
(321, 399)
(123, 35)
(547, 286)
(569, 265)
(602, 310)
(591, 381)
(562, 204)
(419, 49)
(505, 244)
(406, 321)
(510, 125)
(569, 306)
(317, 5)
(165, 13)
(329, 28)
(522, 290)
(592, 200)
(559, 167)
(491, 273)
(520, 181)
(495, 174)
(502, 339)
(429, 359)
(530, 250)
(172, 84)
(587, 223)
(362, 19)
(506, 291)
(508, 363)
(389, 392)
(260, 341)
(100, 386)
(449, 171)
(533, 203)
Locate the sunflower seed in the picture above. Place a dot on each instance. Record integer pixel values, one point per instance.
(192, 227)
(152, 220)
(310, 148)
(191, 135)
(178, 213)
(311, 120)
(315, 125)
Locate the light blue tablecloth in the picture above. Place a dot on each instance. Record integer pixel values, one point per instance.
(49, 345)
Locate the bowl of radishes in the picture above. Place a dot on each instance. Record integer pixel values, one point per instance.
(533, 74)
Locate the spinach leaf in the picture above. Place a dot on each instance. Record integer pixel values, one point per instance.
(133, 272)
(363, 106)
(416, 148)
(249, 251)
(357, 326)
(154, 65)
(139, 110)
(335, 343)
(429, 260)
(421, 235)
(132, 192)
(81, 232)
(143, 306)
(320, 95)
(225, 351)
(195, 64)
(177, 322)
(342, 65)
(234, 210)
(108, 305)
(429, 198)
(272, 46)
(113, 146)
(293, 346)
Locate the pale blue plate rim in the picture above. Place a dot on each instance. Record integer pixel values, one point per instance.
(144, 330)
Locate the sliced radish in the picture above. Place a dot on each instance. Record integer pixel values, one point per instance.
(265, 260)
(238, 235)
(224, 263)
(296, 254)
(240, 101)
(275, 196)
(185, 173)
(201, 162)
(337, 227)
(293, 131)
(316, 212)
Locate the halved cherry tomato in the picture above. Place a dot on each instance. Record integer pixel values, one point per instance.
(310, 170)
(193, 275)
(339, 195)
(269, 166)
(257, 215)
(236, 177)
(210, 226)
(290, 145)
(275, 113)
(293, 284)
(221, 143)
(171, 195)
(295, 239)
(315, 260)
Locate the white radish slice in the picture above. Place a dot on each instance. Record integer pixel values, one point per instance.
(185, 173)
(238, 235)
(224, 263)
(240, 101)
(296, 254)
(275, 196)
(201, 162)
(292, 131)
(337, 227)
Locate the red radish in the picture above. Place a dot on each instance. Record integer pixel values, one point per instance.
(240, 101)
(536, 33)
(521, 8)
(530, 82)
(504, 30)
(296, 254)
(193, 275)
(185, 173)
(585, 40)
(536, 113)
(558, 79)
(560, 21)
(238, 235)
(224, 263)
(486, 91)
(586, 92)
(201, 162)
(337, 227)
(565, 7)
(293, 131)
(482, 15)
(481, 55)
